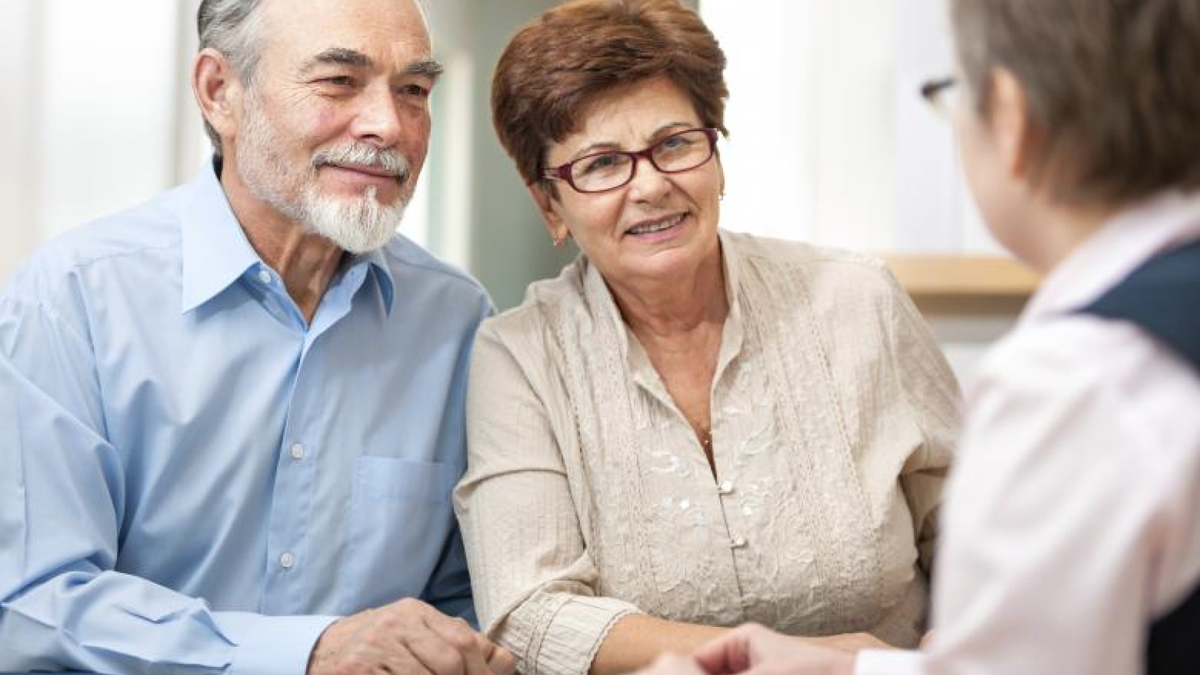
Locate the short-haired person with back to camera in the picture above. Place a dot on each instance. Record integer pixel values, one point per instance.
(688, 428)
(1072, 538)
(231, 418)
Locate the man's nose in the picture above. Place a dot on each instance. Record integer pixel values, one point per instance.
(377, 120)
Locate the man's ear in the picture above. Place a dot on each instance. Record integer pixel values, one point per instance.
(546, 203)
(218, 91)
(1018, 139)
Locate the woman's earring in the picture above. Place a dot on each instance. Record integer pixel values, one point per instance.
(559, 242)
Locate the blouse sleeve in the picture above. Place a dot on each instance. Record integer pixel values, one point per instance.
(932, 395)
(533, 577)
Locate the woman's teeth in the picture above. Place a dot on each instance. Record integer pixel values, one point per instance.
(656, 227)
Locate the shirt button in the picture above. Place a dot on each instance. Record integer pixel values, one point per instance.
(738, 542)
(725, 487)
(264, 276)
(287, 560)
(297, 451)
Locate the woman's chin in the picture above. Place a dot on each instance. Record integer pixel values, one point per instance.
(664, 265)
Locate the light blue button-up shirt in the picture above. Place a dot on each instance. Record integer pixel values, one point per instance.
(191, 477)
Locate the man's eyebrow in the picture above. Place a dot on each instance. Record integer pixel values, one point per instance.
(338, 56)
(430, 68)
(427, 67)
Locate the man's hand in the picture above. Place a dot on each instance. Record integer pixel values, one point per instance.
(407, 637)
(754, 650)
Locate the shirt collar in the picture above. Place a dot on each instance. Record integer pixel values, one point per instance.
(216, 252)
(382, 273)
(732, 333)
(1132, 236)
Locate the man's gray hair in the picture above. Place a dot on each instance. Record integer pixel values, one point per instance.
(233, 28)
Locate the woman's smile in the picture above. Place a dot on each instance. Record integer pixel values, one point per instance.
(657, 229)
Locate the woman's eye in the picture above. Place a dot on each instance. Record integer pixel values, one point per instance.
(601, 163)
(675, 143)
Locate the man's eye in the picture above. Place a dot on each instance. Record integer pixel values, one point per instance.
(339, 80)
(415, 90)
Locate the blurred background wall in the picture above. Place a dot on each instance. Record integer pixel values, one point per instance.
(829, 141)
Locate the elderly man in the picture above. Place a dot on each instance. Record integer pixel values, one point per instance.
(231, 418)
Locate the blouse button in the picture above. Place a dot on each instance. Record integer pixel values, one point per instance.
(738, 542)
(725, 487)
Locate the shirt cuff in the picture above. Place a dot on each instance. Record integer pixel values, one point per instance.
(271, 645)
(563, 634)
(890, 662)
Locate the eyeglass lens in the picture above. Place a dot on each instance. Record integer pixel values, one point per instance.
(678, 152)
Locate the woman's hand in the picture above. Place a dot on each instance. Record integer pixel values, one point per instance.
(848, 642)
(927, 638)
(754, 650)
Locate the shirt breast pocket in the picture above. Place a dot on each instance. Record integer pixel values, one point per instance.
(400, 516)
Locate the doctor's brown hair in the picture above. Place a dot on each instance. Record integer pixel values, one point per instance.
(1112, 87)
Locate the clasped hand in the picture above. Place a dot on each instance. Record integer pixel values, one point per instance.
(407, 637)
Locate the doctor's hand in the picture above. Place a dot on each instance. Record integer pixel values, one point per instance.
(407, 637)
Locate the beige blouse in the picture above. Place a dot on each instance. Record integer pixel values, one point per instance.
(588, 497)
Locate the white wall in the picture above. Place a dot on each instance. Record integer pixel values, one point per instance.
(99, 119)
(831, 143)
(99, 114)
(16, 181)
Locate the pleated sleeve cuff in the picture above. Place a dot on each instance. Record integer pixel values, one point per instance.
(565, 635)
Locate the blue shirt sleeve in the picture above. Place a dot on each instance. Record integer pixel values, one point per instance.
(62, 602)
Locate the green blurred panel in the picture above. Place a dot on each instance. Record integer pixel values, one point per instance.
(508, 243)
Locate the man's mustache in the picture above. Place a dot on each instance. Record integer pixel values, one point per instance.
(388, 161)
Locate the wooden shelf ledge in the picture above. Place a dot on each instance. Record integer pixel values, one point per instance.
(962, 276)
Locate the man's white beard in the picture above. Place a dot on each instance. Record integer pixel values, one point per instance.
(356, 224)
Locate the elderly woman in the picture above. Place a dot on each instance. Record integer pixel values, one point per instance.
(688, 428)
